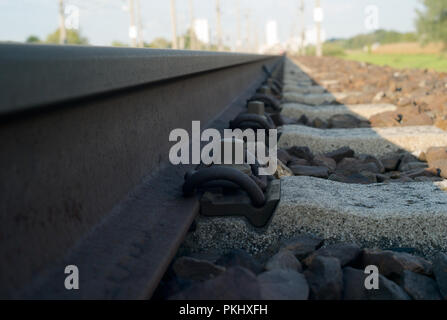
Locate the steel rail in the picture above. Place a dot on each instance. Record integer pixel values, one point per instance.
(84, 173)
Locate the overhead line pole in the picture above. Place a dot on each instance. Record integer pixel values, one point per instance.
(303, 31)
(174, 26)
(132, 29)
(247, 20)
(192, 36)
(238, 15)
(139, 26)
(219, 27)
(62, 31)
(318, 28)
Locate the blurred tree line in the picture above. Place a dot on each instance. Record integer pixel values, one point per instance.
(379, 36)
(184, 41)
(431, 26)
(73, 37)
(432, 23)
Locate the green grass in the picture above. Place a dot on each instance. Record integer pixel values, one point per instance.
(436, 62)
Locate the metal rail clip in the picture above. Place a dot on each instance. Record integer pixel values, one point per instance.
(246, 198)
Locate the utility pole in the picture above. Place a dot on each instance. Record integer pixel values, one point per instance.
(174, 26)
(318, 17)
(139, 26)
(247, 20)
(219, 27)
(62, 31)
(238, 17)
(192, 35)
(303, 29)
(255, 34)
(290, 42)
(132, 29)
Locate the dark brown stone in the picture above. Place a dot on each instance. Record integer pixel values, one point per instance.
(322, 161)
(281, 120)
(402, 179)
(240, 258)
(303, 120)
(343, 121)
(440, 272)
(421, 173)
(366, 158)
(301, 152)
(284, 259)
(419, 287)
(325, 278)
(302, 246)
(391, 161)
(236, 283)
(353, 165)
(354, 178)
(394, 174)
(283, 156)
(354, 287)
(298, 162)
(392, 263)
(412, 166)
(381, 178)
(195, 269)
(340, 154)
(344, 252)
(407, 158)
(320, 124)
(283, 284)
(318, 172)
(170, 286)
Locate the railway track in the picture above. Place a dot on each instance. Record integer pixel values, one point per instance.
(85, 174)
(86, 181)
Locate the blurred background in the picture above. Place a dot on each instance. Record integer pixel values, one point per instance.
(399, 33)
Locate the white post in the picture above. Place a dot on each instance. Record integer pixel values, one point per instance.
(132, 29)
(174, 26)
(139, 26)
(318, 19)
(62, 31)
(218, 27)
(192, 36)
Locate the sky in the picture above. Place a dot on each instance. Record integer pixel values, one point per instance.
(104, 21)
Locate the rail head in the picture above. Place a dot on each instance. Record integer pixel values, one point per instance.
(33, 76)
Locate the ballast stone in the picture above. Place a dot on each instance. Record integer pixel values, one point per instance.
(361, 111)
(410, 215)
(303, 89)
(374, 141)
(316, 99)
